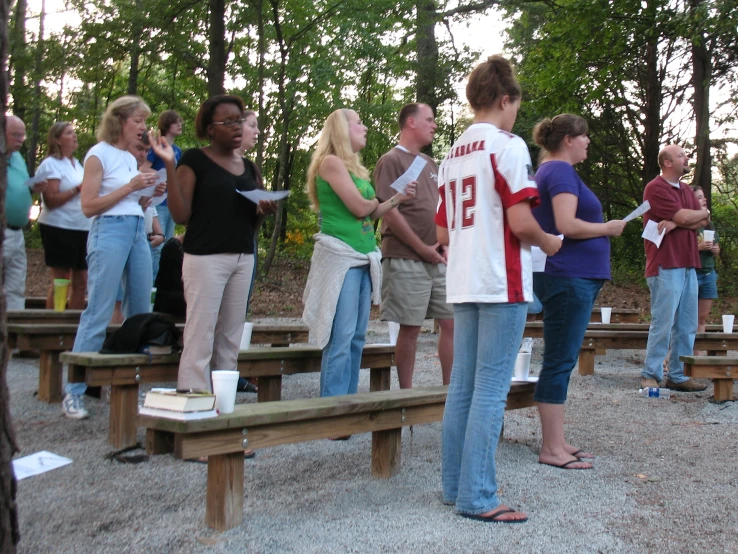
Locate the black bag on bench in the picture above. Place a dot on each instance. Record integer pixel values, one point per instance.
(141, 331)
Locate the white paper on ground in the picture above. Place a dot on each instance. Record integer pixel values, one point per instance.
(638, 212)
(651, 232)
(38, 463)
(412, 174)
(257, 195)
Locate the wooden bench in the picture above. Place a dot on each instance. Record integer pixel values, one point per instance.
(44, 316)
(598, 341)
(123, 373)
(618, 315)
(53, 339)
(721, 369)
(224, 438)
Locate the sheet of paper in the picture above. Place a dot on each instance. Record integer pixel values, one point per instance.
(38, 463)
(651, 232)
(257, 195)
(539, 259)
(412, 174)
(638, 212)
(40, 176)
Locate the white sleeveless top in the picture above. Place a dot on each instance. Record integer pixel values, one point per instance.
(119, 167)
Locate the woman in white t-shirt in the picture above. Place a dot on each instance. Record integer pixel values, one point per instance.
(63, 226)
(486, 190)
(117, 248)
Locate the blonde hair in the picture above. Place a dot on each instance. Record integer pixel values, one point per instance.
(334, 140)
(116, 115)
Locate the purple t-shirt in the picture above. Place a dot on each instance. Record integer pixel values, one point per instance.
(587, 258)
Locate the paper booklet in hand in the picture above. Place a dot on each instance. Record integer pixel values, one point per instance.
(170, 399)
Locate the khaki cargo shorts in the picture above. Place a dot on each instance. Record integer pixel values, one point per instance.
(413, 291)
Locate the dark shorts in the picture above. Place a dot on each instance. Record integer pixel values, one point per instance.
(64, 248)
(707, 283)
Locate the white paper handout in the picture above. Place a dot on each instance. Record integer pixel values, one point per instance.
(412, 174)
(638, 212)
(538, 258)
(651, 232)
(38, 463)
(40, 176)
(257, 195)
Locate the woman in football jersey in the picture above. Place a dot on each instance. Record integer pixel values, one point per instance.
(572, 278)
(345, 270)
(486, 192)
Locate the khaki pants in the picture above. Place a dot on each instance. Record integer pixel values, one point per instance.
(216, 289)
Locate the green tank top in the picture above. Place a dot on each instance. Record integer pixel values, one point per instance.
(337, 221)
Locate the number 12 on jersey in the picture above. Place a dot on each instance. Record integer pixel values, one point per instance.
(468, 201)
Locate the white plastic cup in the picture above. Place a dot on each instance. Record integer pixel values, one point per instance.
(246, 336)
(708, 235)
(522, 367)
(728, 321)
(224, 388)
(153, 297)
(606, 313)
(394, 330)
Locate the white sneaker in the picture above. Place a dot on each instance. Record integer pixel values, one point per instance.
(74, 407)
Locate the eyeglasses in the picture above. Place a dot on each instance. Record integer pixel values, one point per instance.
(18, 136)
(230, 123)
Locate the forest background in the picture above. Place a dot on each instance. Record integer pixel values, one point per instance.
(643, 73)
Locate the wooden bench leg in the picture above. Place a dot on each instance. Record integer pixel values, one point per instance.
(50, 377)
(723, 389)
(270, 389)
(225, 491)
(386, 452)
(587, 361)
(123, 410)
(380, 378)
(159, 442)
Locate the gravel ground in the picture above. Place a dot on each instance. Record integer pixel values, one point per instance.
(662, 480)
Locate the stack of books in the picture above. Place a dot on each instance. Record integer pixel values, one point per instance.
(184, 406)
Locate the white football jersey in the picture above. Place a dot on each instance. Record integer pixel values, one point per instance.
(486, 171)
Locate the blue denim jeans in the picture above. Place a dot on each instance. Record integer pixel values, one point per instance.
(487, 338)
(339, 368)
(567, 308)
(166, 221)
(117, 251)
(673, 322)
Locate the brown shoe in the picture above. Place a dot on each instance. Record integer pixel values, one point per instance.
(687, 386)
(649, 383)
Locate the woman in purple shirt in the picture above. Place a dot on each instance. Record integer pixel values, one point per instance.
(573, 277)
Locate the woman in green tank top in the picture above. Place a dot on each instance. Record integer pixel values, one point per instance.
(345, 270)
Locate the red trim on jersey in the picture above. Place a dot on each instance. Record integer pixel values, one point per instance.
(513, 265)
(440, 217)
(530, 193)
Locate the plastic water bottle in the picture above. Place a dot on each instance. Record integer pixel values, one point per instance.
(653, 392)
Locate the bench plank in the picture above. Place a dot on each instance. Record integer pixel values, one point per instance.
(125, 372)
(52, 339)
(721, 369)
(223, 439)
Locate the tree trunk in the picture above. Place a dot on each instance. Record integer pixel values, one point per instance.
(135, 50)
(701, 77)
(259, 6)
(18, 40)
(33, 143)
(652, 120)
(216, 47)
(426, 78)
(9, 530)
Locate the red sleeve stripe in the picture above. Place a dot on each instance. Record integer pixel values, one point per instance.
(440, 218)
(513, 263)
